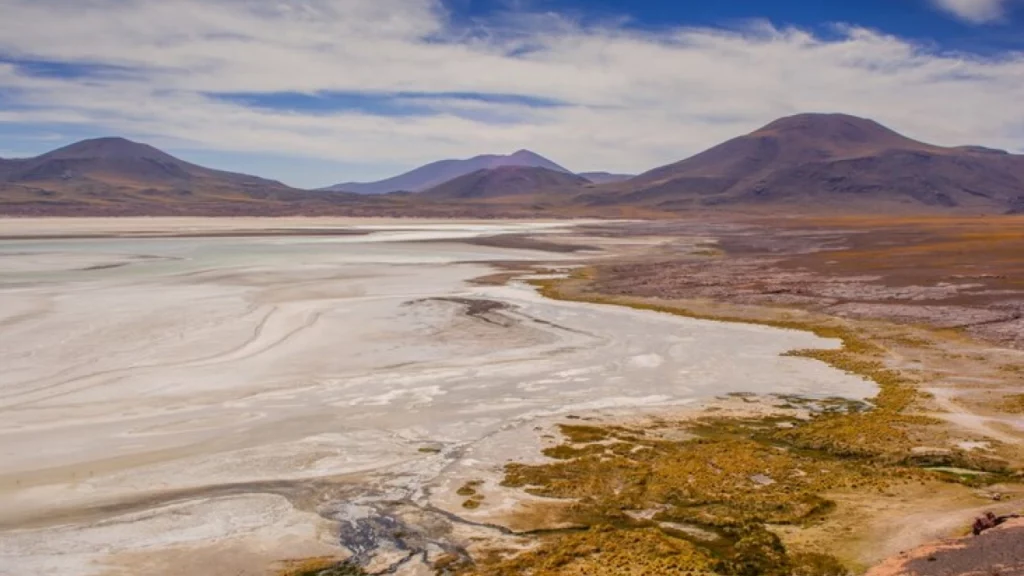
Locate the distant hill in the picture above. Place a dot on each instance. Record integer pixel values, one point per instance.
(118, 176)
(119, 160)
(837, 161)
(505, 181)
(436, 173)
(606, 177)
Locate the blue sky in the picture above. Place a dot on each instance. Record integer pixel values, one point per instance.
(924, 20)
(314, 92)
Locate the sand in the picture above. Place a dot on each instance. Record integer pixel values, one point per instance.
(229, 395)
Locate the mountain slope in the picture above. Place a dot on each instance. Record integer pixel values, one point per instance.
(121, 161)
(5, 167)
(442, 171)
(606, 177)
(831, 160)
(786, 142)
(118, 176)
(505, 181)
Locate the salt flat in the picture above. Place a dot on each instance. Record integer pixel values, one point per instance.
(168, 394)
(191, 225)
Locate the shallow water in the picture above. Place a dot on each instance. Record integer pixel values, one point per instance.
(146, 367)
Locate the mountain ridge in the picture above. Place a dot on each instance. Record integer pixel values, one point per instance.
(435, 173)
(601, 177)
(505, 181)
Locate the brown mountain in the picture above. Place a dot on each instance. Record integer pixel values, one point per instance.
(436, 173)
(119, 161)
(118, 176)
(832, 161)
(505, 181)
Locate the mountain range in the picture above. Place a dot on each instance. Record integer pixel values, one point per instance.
(824, 162)
(442, 171)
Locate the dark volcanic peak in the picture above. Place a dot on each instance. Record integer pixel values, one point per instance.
(116, 158)
(786, 142)
(115, 176)
(105, 160)
(506, 181)
(110, 147)
(518, 158)
(831, 160)
(828, 125)
(838, 134)
(436, 173)
(530, 156)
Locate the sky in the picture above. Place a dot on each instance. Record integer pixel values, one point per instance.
(316, 92)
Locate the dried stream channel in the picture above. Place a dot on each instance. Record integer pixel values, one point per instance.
(215, 405)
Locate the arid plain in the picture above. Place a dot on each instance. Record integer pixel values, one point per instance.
(171, 402)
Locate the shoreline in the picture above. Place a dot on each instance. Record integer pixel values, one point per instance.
(273, 439)
(483, 490)
(919, 409)
(63, 228)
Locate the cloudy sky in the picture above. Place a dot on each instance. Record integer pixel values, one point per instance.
(314, 92)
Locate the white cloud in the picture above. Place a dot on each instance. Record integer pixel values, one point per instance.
(633, 99)
(974, 11)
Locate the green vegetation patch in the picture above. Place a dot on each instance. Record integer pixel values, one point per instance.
(731, 474)
(604, 550)
(732, 479)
